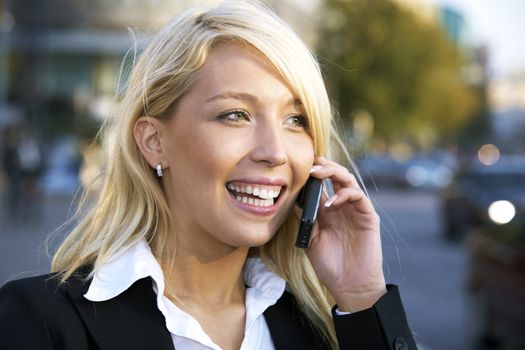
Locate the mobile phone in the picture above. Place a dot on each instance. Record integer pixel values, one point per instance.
(309, 200)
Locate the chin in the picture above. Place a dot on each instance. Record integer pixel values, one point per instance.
(255, 239)
(256, 242)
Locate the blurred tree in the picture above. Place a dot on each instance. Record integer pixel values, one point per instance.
(401, 70)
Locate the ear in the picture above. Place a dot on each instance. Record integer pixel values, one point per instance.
(146, 132)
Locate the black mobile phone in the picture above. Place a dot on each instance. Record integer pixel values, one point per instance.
(309, 200)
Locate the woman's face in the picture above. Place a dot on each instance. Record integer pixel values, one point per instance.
(238, 151)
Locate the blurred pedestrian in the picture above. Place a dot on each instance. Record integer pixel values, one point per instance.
(191, 243)
(30, 159)
(22, 163)
(13, 174)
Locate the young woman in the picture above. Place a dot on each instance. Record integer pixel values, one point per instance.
(191, 242)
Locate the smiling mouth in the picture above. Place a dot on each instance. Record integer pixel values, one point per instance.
(256, 195)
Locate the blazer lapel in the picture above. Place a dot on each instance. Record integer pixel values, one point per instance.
(128, 321)
(289, 328)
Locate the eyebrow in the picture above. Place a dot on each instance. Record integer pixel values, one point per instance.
(247, 98)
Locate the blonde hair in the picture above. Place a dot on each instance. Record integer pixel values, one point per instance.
(131, 205)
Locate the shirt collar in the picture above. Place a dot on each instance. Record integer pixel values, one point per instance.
(137, 262)
(118, 274)
(264, 289)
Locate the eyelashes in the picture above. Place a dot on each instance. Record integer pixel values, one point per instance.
(241, 117)
(234, 116)
(298, 120)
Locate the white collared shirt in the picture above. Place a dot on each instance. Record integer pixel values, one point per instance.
(137, 262)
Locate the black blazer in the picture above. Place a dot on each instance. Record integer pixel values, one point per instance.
(38, 313)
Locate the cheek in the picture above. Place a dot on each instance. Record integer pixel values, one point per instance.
(199, 164)
(302, 158)
(204, 155)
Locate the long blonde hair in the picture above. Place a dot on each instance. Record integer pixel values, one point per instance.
(131, 205)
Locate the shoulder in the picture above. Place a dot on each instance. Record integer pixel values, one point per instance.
(30, 283)
(34, 295)
(38, 312)
(30, 288)
(44, 288)
(43, 295)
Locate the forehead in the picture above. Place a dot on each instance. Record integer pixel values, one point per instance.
(230, 52)
(238, 65)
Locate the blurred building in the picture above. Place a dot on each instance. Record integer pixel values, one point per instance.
(6, 26)
(475, 70)
(450, 19)
(454, 23)
(63, 57)
(65, 54)
(508, 91)
(507, 98)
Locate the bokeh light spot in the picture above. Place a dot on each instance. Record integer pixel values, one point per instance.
(502, 212)
(488, 154)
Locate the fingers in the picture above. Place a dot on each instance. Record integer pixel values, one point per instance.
(339, 175)
(351, 195)
(347, 189)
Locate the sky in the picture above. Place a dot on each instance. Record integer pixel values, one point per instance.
(500, 24)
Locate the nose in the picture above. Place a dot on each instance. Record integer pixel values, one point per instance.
(269, 145)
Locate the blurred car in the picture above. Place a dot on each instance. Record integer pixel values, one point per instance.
(428, 171)
(483, 195)
(381, 169)
(60, 176)
(428, 174)
(497, 284)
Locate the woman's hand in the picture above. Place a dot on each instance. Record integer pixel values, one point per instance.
(345, 247)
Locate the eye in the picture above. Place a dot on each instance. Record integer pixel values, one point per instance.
(297, 121)
(234, 116)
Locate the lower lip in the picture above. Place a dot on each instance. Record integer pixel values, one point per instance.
(255, 210)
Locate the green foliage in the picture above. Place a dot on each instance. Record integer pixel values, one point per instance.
(404, 71)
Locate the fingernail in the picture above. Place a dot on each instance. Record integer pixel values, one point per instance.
(330, 201)
(315, 168)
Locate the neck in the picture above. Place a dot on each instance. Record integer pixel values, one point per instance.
(205, 279)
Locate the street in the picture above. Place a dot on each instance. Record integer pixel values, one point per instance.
(429, 271)
(26, 245)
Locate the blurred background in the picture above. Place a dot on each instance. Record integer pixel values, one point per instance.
(431, 97)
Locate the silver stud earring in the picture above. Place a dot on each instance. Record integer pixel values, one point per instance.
(159, 170)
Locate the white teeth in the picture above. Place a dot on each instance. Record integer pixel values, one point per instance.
(263, 193)
(268, 194)
(255, 201)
